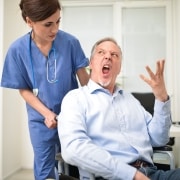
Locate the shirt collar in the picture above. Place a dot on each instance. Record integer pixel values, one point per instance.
(93, 87)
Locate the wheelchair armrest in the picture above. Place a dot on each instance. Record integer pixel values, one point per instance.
(171, 141)
(167, 147)
(59, 157)
(168, 150)
(163, 148)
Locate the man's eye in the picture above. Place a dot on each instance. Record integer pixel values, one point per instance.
(114, 55)
(101, 52)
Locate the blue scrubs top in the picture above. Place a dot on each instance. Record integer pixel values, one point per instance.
(19, 70)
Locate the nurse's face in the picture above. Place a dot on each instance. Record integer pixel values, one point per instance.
(46, 30)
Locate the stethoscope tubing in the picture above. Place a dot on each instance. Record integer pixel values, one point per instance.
(35, 89)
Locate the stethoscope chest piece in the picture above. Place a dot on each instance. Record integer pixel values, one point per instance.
(35, 91)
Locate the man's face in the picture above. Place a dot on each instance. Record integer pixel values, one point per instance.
(105, 64)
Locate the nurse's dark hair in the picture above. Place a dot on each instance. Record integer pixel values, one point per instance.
(38, 10)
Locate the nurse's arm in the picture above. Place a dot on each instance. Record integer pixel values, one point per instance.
(33, 101)
(83, 76)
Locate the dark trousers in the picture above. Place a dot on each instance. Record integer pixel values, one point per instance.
(73, 174)
(73, 171)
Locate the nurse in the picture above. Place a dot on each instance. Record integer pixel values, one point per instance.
(43, 65)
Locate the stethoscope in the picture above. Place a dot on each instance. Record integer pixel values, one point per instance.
(52, 80)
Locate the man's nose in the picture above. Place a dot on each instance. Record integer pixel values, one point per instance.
(107, 55)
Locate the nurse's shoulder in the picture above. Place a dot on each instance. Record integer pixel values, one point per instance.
(20, 44)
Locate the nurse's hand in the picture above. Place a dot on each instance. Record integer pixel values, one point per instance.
(51, 122)
(32, 100)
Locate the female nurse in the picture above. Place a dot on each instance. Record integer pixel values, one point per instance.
(43, 65)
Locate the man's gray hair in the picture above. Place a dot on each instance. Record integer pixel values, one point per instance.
(104, 40)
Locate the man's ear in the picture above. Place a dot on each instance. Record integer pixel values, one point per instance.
(90, 64)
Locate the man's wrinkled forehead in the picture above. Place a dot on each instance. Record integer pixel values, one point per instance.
(108, 46)
(105, 40)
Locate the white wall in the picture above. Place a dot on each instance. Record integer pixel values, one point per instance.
(1, 64)
(16, 148)
(176, 46)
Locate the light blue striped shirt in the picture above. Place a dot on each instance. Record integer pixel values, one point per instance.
(102, 132)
